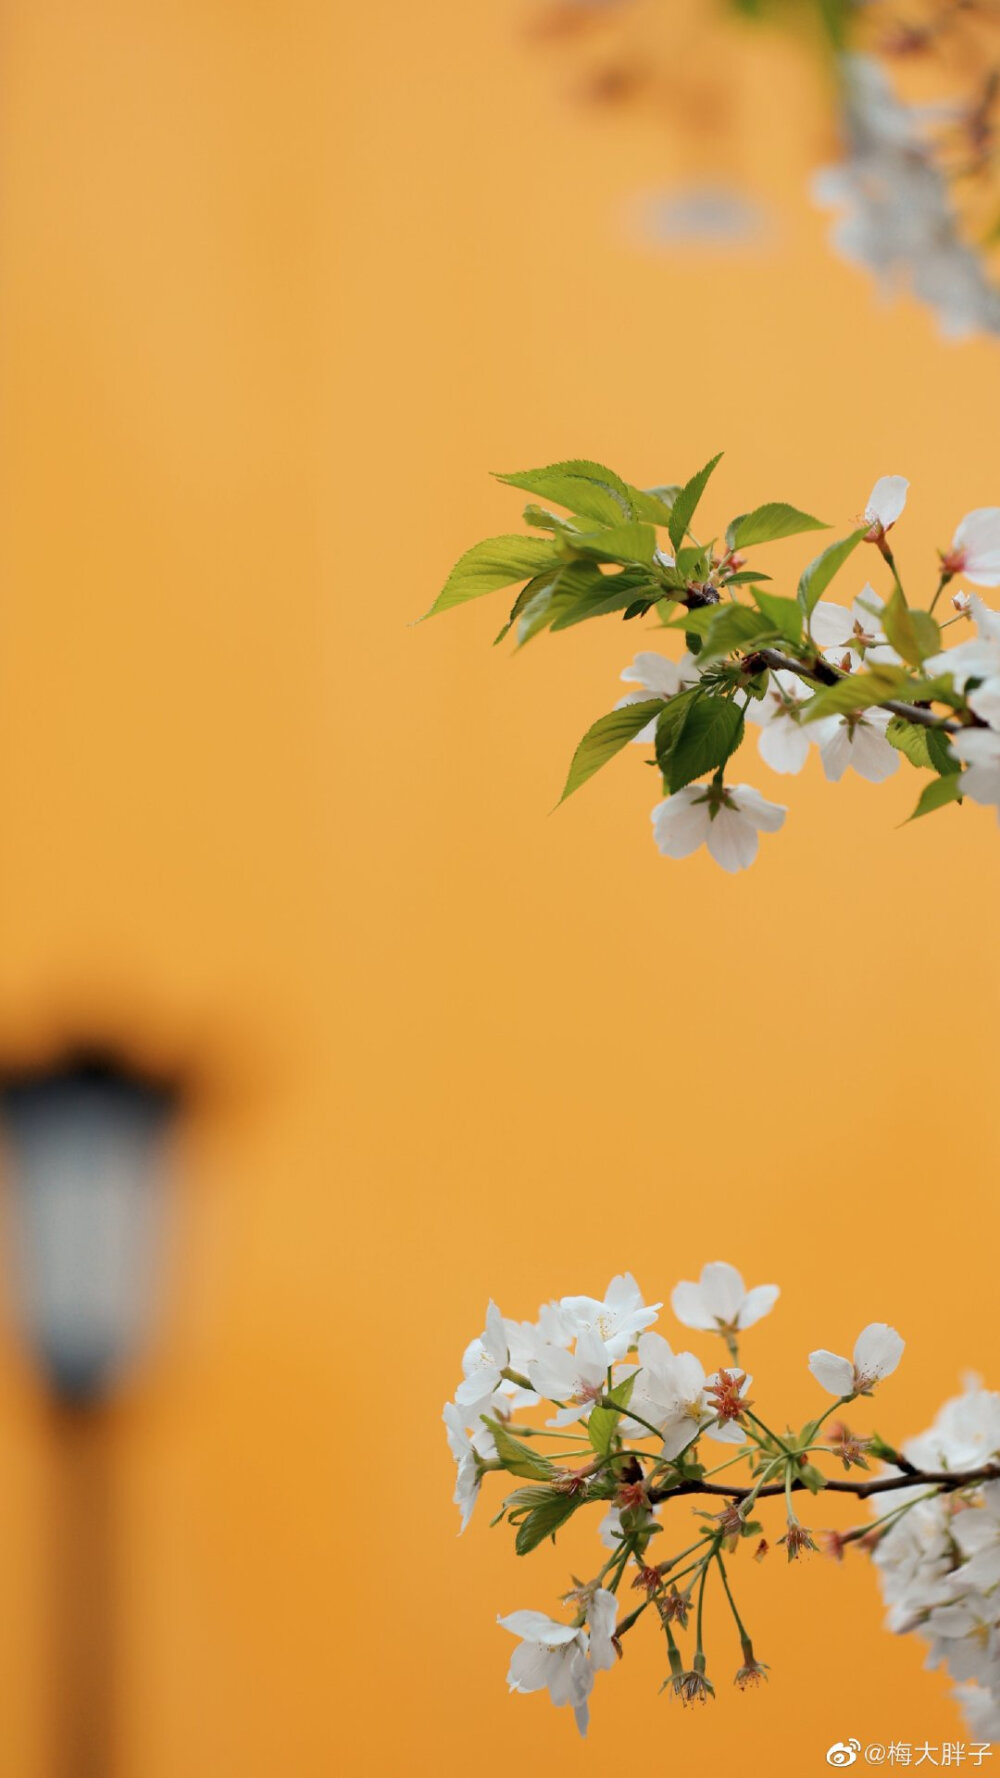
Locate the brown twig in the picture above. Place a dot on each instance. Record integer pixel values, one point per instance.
(946, 1481)
(822, 673)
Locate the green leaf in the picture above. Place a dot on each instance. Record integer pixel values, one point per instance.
(913, 634)
(606, 737)
(518, 1458)
(653, 504)
(910, 739)
(548, 596)
(686, 503)
(815, 579)
(589, 489)
(734, 626)
(497, 562)
(697, 622)
(631, 542)
(942, 758)
(856, 691)
(603, 1423)
(544, 1521)
(601, 1429)
(712, 731)
(604, 593)
(936, 794)
(785, 614)
(543, 520)
(767, 523)
(673, 716)
(813, 1478)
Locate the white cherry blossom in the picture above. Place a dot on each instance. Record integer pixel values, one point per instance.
(977, 1534)
(975, 547)
(981, 1709)
(578, 1378)
(980, 747)
(784, 741)
(877, 1351)
(978, 659)
(897, 216)
(602, 1616)
(726, 819)
(720, 1301)
(483, 1361)
(657, 676)
(885, 504)
(671, 1393)
(858, 630)
(551, 1657)
(965, 1434)
(466, 1450)
(617, 1319)
(856, 739)
(964, 1638)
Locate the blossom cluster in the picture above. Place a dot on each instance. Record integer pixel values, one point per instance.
(896, 204)
(588, 1405)
(939, 1562)
(870, 684)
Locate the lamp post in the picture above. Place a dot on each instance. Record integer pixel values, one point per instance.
(86, 1169)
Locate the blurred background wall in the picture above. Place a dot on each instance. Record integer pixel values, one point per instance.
(280, 286)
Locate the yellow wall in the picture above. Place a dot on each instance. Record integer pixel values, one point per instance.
(280, 285)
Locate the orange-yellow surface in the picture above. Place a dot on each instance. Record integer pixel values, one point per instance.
(281, 285)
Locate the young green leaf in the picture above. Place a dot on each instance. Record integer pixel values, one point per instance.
(713, 729)
(606, 737)
(766, 524)
(785, 614)
(518, 1458)
(686, 503)
(670, 722)
(815, 579)
(548, 597)
(936, 794)
(544, 1521)
(856, 691)
(734, 626)
(941, 756)
(913, 634)
(603, 594)
(911, 740)
(585, 488)
(497, 562)
(653, 504)
(631, 542)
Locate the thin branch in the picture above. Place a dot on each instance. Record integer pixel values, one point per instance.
(822, 673)
(947, 1481)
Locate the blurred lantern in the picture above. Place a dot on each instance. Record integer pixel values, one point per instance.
(87, 1176)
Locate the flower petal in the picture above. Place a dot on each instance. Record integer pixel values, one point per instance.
(877, 1351)
(757, 1303)
(834, 1374)
(732, 841)
(722, 1289)
(887, 500)
(680, 824)
(689, 1306)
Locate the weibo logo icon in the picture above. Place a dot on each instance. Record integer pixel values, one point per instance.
(843, 1753)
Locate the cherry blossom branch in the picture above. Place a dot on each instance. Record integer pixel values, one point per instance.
(822, 673)
(946, 1481)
